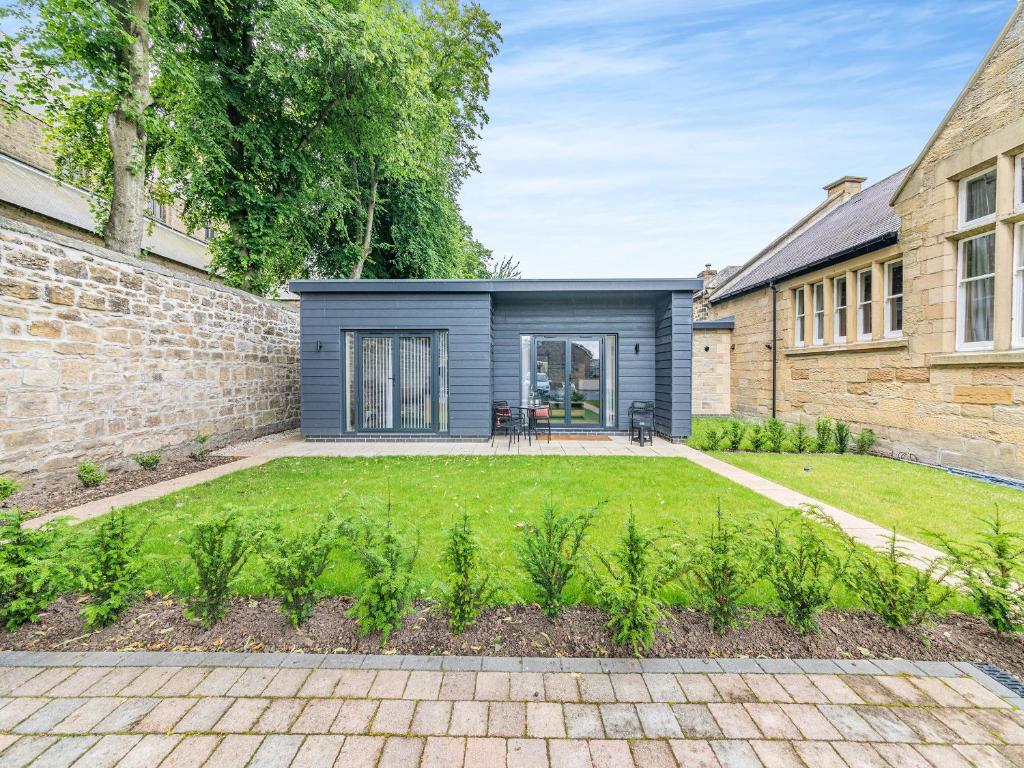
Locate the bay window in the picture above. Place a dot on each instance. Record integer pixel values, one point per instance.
(819, 312)
(894, 299)
(800, 320)
(864, 305)
(977, 199)
(839, 310)
(976, 292)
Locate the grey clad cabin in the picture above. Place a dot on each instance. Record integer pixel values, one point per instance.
(426, 359)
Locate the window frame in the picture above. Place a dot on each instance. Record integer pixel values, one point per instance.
(839, 313)
(1018, 182)
(961, 297)
(817, 340)
(863, 335)
(888, 296)
(799, 318)
(1017, 313)
(962, 221)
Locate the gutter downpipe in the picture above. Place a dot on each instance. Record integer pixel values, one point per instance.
(775, 359)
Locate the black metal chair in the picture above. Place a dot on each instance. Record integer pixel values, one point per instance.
(540, 415)
(641, 421)
(507, 420)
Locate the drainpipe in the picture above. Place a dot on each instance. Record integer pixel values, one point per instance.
(775, 336)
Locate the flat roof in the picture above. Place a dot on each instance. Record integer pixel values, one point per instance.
(587, 285)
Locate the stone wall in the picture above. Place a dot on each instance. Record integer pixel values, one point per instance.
(712, 384)
(103, 356)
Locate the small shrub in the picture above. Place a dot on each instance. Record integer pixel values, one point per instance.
(711, 439)
(148, 461)
(549, 553)
(91, 474)
(32, 570)
(218, 547)
(887, 584)
(799, 439)
(467, 591)
(802, 568)
(865, 441)
(842, 437)
(758, 438)
(722, 567)
(628, 586)
(775, 434)
(992, 572)
(823, 434)
(110, 574)
(295, 564)
(386, 558)
(735, 430)
(7, 488)
(199, 450)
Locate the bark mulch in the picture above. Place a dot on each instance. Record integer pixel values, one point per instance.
(254, 624)
(56, 498)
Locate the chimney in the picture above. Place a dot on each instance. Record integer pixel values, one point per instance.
(845, 187)
(708, 273)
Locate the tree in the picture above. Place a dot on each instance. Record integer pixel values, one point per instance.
(87, 62)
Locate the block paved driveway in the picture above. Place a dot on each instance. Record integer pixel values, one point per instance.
(97, 710)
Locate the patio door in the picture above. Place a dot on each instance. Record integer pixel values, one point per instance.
(399, 382)
(569, 375)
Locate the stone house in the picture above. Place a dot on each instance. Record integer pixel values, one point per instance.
(900, 306)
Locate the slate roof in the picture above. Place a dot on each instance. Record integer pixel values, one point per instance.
(862, 224)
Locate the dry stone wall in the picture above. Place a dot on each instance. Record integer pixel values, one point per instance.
(103, 356)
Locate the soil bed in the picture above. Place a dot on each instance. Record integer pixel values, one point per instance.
(44, 499)
(158, 623)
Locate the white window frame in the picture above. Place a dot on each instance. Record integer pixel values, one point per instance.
(961, 345)
(816, 310)
(1018, 182)
(800, 318)
(863, 335)
(963, 221)
(837, 310)
(888, 296)
(1017, 314)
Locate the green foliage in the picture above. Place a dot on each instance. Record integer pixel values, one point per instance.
(386, 558)
(735, 430)
(295, 563)
(823, 434)
(799, 439)
(865, 441)
(110, 572)
(32, 567)
(549, 552)
(992, 572)
(7, 488)
(842, 437)
(887, 584)
(775, 434)
(758, 438)
(91, 474)
(217, 547)
(148, 461)
(711, 439)
(467, 590)
(801, 567)
(722, 566)
(199, 451)
(628, 586)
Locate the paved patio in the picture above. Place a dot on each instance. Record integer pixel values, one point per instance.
(304, 711)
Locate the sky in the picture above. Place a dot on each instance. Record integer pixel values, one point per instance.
(637, 138)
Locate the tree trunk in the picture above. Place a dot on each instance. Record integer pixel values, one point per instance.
(357, 270)
(127, 135)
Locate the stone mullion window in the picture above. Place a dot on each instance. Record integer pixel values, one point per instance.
(840, 309)
(799, 317)
(1018, 287)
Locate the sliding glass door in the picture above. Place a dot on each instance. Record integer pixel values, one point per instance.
(575, 377)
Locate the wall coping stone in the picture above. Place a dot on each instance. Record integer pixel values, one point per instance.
(1012, 357)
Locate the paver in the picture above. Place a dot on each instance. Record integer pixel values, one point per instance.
(544, 720)
(613, 753)
(423, 685)
(360, 751)
(431, 718)
(445, 751)
(694, 754)
(653, 754)
(658, 721)
(149, 751)
(317, 717)
(583, 721)
(235, 751)
(469, 718)
(567, 753)
(620, 721)
(820, 754)
(64, 752)
(485, 752)
(355, 716)
(318, 752)
(241, 716)
(108, 751)
(507, 719)
(276, 751)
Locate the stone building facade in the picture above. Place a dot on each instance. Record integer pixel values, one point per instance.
(946, 386)
(102, 356)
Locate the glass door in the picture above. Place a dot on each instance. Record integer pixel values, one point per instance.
(378, 383)
(585, 382)
(568, 377)
(549, 377)
(399, 381)
(415, 377)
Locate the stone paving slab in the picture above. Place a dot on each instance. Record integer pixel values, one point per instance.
(298, 711)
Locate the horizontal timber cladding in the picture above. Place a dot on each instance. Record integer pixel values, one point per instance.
(466, 317)
(673, 364)
(629, 315)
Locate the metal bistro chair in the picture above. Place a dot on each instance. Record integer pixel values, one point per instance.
(540, 415)
(507, 420)
(641, 421)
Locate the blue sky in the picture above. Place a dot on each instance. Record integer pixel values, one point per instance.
(646, 138)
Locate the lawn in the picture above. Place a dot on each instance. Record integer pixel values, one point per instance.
(431, 492)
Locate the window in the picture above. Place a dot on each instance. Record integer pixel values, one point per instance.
(839, 310)
(1018, 286)
(208, 233)
(819, 313)
(894, 299)
(864, 305)
(1018, 182)
(978, 199)
(976, 291)
(156, 210)
(800, 321)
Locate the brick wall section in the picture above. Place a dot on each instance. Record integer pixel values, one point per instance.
(712, 384)
(102, 356)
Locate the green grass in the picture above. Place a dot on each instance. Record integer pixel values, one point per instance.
(430, 492)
